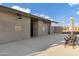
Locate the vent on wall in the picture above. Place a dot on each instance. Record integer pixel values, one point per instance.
(19, 16)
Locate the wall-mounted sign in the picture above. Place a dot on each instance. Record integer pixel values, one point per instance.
(18, 28)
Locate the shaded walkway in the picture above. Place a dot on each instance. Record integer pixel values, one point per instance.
(59, 50)
(29, 46)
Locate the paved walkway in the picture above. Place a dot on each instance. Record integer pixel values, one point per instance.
(50, 45)
(29, 46)
(59, 50)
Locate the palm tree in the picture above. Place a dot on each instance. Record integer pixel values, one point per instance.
(72, 25)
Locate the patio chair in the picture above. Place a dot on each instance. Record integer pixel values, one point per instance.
(70, 40)
(74, 41)
(67, 39)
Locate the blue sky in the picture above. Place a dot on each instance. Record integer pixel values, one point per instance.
(60, 12)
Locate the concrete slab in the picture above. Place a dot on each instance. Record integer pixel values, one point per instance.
(28, 46)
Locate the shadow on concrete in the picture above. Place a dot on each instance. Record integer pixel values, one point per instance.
(57, 42)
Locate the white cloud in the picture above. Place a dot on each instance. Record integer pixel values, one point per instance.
(73, 4)
(47, 17)
(41, 15)
(37, 14)
(27, 10)
(76, 24)
(62, 23)
(77, 12)
(51, 19)
(0, 3)
(44, 16)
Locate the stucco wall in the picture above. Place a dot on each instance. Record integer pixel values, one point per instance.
(58, 29)
(35, 29)
(51, 30)
(42, 28)
(8, 24)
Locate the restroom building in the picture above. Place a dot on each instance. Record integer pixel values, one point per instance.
(18, 25)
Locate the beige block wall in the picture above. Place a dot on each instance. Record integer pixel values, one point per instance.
(58, 29)
(42, 28)
(8, 22)
(35, 29)
(51, 30)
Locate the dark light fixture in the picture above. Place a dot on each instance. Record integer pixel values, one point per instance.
(19, 16)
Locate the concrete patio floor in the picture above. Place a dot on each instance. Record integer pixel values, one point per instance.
(45, 45)
(59, 51)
